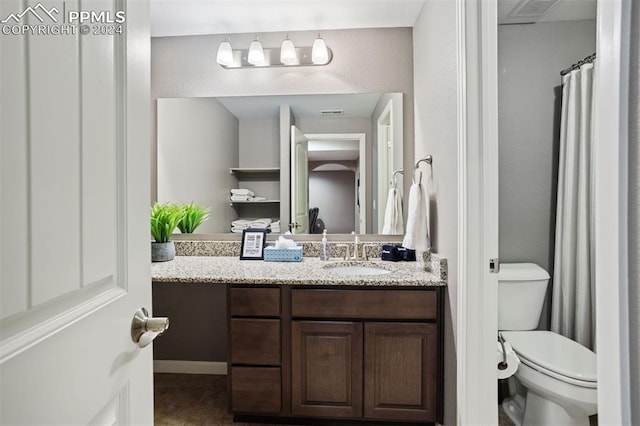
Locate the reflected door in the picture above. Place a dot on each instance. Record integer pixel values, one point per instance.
(299, 182)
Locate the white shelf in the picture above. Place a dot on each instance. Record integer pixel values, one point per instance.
(253, 170)
(255, 202)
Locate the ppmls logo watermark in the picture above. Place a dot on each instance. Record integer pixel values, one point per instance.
(40, 20)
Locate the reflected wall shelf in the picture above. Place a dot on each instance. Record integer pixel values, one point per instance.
(253, 170)
(231, 203)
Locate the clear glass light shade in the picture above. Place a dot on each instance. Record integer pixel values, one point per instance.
(288, 53)
(256, 54)
(225, 54)
(319, 52)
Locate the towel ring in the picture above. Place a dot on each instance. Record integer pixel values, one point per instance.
(393, 177)
(428, 159)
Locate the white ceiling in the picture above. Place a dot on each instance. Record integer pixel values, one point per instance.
(191, 17)
(308, 106)
(562, 10)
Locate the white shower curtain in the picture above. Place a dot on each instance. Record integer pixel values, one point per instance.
(573, 302)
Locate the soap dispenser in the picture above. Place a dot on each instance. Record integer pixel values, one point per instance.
(324, 247)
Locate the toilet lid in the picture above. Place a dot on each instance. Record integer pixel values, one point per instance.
(555, 354)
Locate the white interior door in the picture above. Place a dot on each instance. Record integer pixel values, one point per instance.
(74, 224)
(299, 181)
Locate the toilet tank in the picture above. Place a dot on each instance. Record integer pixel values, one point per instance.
(521, 292)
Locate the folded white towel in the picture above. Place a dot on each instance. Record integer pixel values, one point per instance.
(240, 224)
(240, 198)
(242, 191)
(393, 222)
(275, 226)
(261, 223)
(257, 198)
(417, 236)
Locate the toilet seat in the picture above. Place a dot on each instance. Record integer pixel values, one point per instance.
(555, 356)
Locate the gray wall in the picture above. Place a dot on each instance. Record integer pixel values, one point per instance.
(198, 315)
(259, 141)
(435, 92)
(530, 58)
(333, 192)
(364, 61)
(634, 215)
(200, 173)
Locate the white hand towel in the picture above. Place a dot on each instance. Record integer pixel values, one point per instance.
(242, 191)
(399, 222)
(417, 236)
(240, 198)
(393, 222)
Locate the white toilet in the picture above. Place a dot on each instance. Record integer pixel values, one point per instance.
(558, 373)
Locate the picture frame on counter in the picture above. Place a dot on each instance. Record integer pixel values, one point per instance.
(254, 241)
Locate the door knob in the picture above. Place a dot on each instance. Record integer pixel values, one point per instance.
(145, 329)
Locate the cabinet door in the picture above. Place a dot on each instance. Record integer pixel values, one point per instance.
(401, 377)
(326, 369)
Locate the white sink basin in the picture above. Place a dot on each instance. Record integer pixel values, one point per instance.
(357, 270)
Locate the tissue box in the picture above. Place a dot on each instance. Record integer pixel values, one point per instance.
(291, 254)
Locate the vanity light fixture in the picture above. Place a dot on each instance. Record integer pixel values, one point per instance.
(256, 53)
(288, 55)
(225, 53)
(319, 52)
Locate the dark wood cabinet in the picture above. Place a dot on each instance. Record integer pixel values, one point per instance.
(400, 370)
(326, 369)
(336, 353)
(255, 351)
(255, 390)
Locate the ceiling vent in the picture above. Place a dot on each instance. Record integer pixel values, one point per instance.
(532, 8)
(331, 112)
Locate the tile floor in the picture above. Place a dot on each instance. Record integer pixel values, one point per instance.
(192, 400)
(199, 399)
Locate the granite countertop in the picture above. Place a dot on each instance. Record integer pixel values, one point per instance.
(311, 271)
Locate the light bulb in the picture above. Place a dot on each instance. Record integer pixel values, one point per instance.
(225, 54)
(319, 52)
(288, 54)
(256, 54)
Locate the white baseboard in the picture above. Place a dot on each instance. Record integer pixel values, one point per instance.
(190, 367)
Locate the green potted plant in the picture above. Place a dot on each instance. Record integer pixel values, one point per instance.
(164, 220)
(193, 216)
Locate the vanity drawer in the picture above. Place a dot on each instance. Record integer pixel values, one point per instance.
(255, 341)
(255, 390)
(254, 301)
(370, 304)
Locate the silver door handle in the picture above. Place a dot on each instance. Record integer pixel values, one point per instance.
(145, 329)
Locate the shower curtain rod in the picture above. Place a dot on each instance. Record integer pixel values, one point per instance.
(578, 64)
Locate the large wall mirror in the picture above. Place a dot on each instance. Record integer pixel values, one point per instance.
(332, 157)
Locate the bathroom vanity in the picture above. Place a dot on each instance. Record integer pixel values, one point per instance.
(306, 342)
(336, 352)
